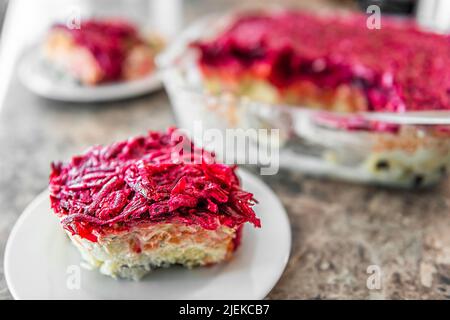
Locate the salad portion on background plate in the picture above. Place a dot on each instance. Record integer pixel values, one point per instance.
(102, 59)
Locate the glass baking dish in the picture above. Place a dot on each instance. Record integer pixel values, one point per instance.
(396, 154)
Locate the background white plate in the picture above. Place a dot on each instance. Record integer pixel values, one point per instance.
(39, 260)
(42, 79)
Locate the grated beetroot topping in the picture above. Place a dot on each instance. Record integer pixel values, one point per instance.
(161, 177)
(397, 67)
(108, 40)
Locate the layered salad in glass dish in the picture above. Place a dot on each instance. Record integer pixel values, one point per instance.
(320, 78)
(101, 50)
(148, 202)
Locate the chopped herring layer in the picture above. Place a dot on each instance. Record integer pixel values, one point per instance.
(395, 68)
(158, 178)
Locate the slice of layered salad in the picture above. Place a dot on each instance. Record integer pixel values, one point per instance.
(101, 50)
(338, 65)
(148, 202)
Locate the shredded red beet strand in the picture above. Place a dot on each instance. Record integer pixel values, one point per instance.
(397, 67)
(108, 40)
(161, 177)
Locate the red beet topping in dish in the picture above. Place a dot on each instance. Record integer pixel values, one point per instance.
(161, 177)
(397, 67)
(107, 40)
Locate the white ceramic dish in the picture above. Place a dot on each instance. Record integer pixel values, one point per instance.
(41, 79)
(41, 263)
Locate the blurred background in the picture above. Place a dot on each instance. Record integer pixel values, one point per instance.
(22, 22)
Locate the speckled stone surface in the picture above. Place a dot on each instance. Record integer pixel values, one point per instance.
(339, 229)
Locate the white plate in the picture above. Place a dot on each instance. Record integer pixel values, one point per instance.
(43, 80)
(40, 261)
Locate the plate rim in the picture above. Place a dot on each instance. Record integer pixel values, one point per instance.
(22, 217)
(242, 174)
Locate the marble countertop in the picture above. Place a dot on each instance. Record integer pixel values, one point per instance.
(339, 229)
